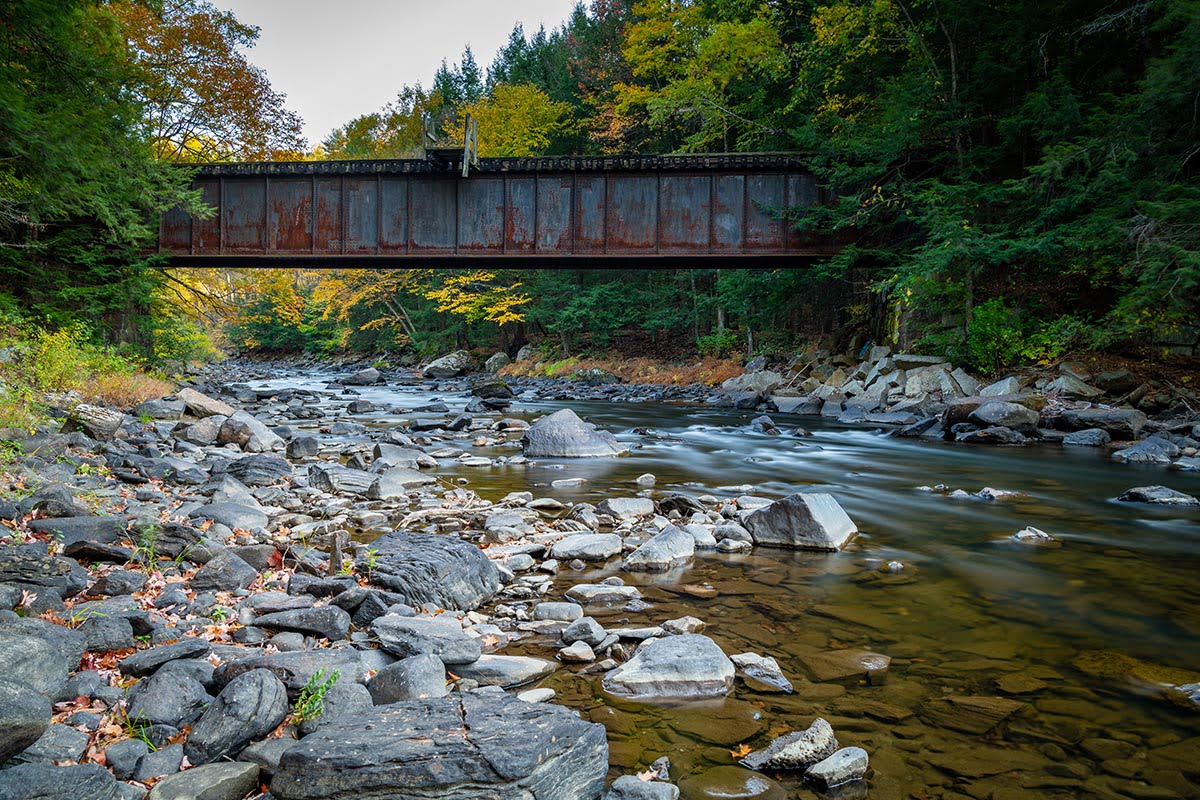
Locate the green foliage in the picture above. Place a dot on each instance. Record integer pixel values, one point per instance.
(310, 703)
(719, 344)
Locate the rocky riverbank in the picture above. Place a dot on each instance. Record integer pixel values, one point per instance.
(232, 591)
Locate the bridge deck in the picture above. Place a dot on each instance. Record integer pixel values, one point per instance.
(549, 211)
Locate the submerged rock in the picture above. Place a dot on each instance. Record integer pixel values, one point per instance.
(466, 746)
(802, 521)
(564, 435)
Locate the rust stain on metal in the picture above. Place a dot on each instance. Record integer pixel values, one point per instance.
(540, 209)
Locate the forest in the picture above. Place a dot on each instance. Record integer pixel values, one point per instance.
(1017, 180)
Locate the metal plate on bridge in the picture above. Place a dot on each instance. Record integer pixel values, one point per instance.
(560, 209)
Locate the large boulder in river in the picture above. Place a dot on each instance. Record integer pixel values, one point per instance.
(1006, 415)
(431, 569)
(564, 435)
(1158, 495)
(1119, 423)
(249, 433)
(464, 746)
(672, 547)
(803, 522)
(497, 362)
(364, 377)
(201, 405)
(685, 666)
(450, 365)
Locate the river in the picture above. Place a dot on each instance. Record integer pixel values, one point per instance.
(970, 612)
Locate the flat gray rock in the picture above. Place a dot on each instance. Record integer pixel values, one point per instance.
(464, 746)
(505, 671)
(48, 782)
(1158, 495)
(672, 547)
(230, 780)
(411, 678)
(431, 569)
(564, 435)
(687, 666)
(845, 765)
(39, 655)
(587, 547)
(412, 636)
(329, 622)
(802, 521)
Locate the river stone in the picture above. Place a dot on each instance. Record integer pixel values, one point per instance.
(584, 629)
(564, 435)
(837, 665)
(364, 377)
(1154, 450)
(336, 479)
(795, 751)
(167, 698)
(672, 547)
(249, 433)
(1004, 386)
(225, 572)
(1120, 423)
(39, 655)
(72, 530)
(450, 365)
(200, 405)
(234, 516)
(24, 717)
(802, 521)
(596, 595)
(626, 507)
(147, 661)
(463, 746)
(1158, 495)
(560, 612)
(631, 787)
(1091, 437)
(1007, 415)
(259, 470)
(329, 622)
(440, 636)
(49, 782)
(32, 567)
(505, 671)
(342, 699)
(425, 568)
(763, 671)
(685, 666)
(296, 668)
(410, 678)
(587, 547)
(496, 362)
(247, 709)
(969, 714)
(231, 780)
(395, 483)
(731, 783)
(169, 408)
(845, 765)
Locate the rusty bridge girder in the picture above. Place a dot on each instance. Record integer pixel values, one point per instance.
(711, 210)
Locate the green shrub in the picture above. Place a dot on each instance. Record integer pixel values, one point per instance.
(719, 344)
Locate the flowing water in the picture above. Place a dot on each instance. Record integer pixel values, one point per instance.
(1082, 634)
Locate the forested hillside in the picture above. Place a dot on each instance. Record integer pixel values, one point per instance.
(1017, 179)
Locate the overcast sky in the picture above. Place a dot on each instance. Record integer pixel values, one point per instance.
(337, 59)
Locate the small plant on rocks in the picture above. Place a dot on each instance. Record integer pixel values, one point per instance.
(311, 702)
